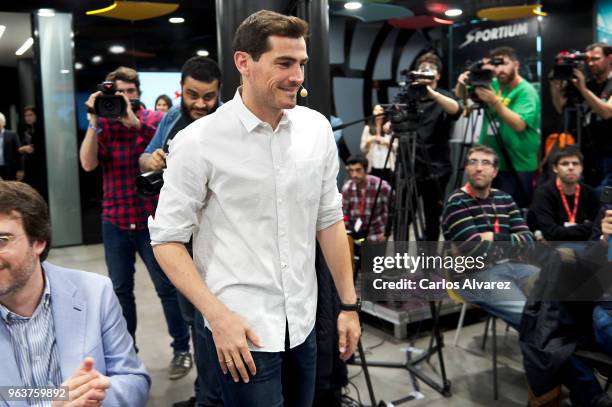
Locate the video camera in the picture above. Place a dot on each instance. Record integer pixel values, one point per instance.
(566, 62)
(110, 105)
(150, 183)
(480, 76)
(403, 113)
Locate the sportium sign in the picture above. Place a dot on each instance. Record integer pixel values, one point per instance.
(479, 35)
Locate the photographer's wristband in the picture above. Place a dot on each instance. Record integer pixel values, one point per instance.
(97, 130)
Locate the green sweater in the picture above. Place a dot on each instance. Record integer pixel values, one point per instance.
(522, 147)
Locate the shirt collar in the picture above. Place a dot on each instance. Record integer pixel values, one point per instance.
(45, 299)
(248, 118)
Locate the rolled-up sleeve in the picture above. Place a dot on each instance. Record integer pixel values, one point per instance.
(184, 192)
(330, 204)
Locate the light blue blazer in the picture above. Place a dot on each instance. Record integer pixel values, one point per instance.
(88, 322)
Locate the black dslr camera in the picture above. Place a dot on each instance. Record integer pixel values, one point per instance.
(480, 76)
(110, 105)
(566, 62)
(150, 183)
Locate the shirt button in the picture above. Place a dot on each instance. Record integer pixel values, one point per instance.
(280, 201)
(284, 265)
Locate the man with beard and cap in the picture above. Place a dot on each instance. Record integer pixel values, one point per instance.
(474, 217)
(513, 108)
(200, 84)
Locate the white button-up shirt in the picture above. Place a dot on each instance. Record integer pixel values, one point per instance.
(254, 197)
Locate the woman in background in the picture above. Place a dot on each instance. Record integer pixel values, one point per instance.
(375, 145)
(33, 150)
(163, 103)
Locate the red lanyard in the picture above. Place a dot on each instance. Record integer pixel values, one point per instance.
(571, 216)
(496, 227)
(362, 201)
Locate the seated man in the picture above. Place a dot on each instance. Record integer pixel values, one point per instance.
(477, 213)
(564, 209)
(358, 196)
(59, 327)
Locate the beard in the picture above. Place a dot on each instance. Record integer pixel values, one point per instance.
(507, 78)
(186, 112)
(21, 273)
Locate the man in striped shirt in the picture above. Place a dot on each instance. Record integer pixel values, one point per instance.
(478, 215)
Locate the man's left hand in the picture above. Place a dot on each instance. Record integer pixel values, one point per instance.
(349, 332)
(579, 80)
(487, 95)
(129, 119)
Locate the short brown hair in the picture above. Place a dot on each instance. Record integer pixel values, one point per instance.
(504, 51)
(431, 58)
(31, 207)
(125, 74)
(252, 34)
(481, 148)
(605, 48)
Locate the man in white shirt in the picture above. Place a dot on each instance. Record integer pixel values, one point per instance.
(255, 183)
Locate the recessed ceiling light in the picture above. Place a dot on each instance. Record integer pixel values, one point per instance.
(46, 12)
(65, 71)
(25, 46)
(453, 12)
(117, 49)
(96, 59)
(176, 20)
(78, 65)
(352, 5)
(2, 29)
(202, 53)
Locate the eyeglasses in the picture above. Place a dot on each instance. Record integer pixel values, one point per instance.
(567, 163)
(5, 241)
(473, 162)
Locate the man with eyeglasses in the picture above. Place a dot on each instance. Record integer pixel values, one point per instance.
(564, 209)
(596, 145)
(58, 327)
(477, 213)
(200, 86)
(116, 145)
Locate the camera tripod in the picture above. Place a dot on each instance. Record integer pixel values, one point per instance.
(408, 212)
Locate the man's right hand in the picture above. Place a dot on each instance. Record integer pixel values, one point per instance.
(487, 236)
(230, 334)
(86, 387)
(156, 161)
(93, 118)
(463, 78)
(606, 225)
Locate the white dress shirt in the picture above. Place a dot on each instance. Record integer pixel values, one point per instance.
(254, 198)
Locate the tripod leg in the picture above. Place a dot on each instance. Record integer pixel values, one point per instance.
(366, 373)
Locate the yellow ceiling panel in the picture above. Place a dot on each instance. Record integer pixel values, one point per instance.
(135, 10)
(510, 13)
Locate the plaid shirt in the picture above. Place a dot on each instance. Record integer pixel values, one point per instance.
(119, 148)
(354, 208)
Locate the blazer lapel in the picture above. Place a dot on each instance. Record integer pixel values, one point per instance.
(69, 317)
(10, 372)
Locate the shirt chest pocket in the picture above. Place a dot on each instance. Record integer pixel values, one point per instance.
(309, 178)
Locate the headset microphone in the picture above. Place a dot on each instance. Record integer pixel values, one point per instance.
(303, 92)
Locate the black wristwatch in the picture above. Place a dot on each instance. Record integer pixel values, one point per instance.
(351, 307)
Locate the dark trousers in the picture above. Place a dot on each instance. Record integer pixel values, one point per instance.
(433, 201)
(120, 248)
(283, 378)
(206, 385)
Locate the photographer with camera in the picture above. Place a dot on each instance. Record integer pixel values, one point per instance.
(119, 129)
(511, 125)
(436, 110)
(597, 94)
